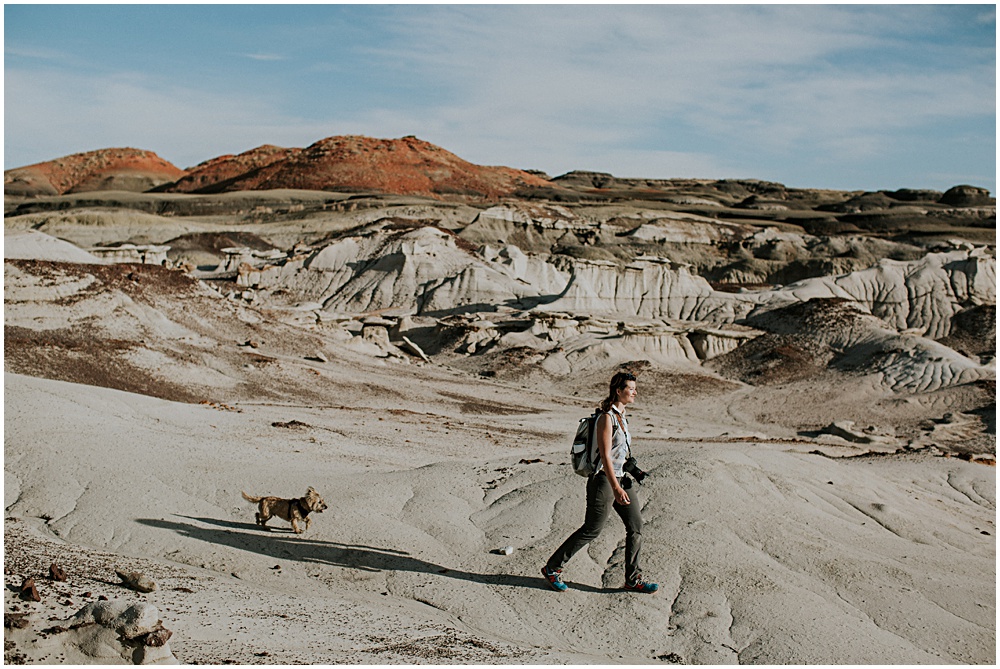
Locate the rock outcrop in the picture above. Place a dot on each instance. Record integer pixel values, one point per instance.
(423, 270)
(840, 333)
(967, 196)
(922, 295)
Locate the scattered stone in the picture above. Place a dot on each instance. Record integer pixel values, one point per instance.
(845, 430)
(672, 658)
(29, 591)
(292, 424)
(251, 343)
(136, 581)
(157, 638)
(15, 620)
(317, 357)
(377, 334)
(414, 349)
(56, 573)
(182, 589)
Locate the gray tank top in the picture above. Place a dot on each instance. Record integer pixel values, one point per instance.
(621, 443)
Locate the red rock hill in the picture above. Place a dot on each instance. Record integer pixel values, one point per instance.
(105, 169)
(353, 163)
(218, 174)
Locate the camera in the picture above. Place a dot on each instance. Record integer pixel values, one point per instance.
(631, 467)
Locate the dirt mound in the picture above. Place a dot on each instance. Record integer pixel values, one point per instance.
(105, 169)
(354, 163)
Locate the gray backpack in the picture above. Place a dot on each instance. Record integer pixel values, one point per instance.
(581, 455)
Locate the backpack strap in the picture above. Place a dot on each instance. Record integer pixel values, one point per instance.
(596, 456)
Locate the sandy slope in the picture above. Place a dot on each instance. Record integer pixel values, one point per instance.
(765, 553)
(139, 403)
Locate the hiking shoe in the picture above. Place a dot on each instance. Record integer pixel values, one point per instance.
(639, 585)
(554, 578)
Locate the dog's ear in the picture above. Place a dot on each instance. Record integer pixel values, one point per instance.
(310, 491)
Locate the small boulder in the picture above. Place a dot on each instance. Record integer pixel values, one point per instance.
(56, 572)
(29, 591)
(15, 620)
(119, 629)
(377, 334)
(136, 581)
(414, 349)
(845, 429)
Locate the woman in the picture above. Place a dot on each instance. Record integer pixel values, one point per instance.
(608, 488)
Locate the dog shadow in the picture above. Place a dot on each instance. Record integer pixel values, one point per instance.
(247, 537)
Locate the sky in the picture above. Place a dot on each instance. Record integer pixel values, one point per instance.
(851, 97)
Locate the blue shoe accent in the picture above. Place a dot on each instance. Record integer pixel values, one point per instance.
(554, 578)
(639, 585)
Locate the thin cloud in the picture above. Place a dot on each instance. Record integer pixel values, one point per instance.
(264, 56)
(34, 53)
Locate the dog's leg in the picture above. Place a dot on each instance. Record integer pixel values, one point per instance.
(295, 526)
(308, 522)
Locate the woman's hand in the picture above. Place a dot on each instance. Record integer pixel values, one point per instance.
(621, 497)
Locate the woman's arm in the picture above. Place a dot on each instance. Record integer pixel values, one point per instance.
(605, 430)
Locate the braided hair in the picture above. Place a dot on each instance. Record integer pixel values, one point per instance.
(618, 383)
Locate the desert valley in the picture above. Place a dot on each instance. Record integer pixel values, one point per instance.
(416, 337)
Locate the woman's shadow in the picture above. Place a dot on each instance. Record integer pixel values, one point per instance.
(285, 545)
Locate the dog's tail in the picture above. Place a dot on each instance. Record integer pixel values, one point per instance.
(250, 498)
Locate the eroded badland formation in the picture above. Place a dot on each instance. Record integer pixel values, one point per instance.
(416, 336)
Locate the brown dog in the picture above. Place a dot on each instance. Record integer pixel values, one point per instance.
(292, 510)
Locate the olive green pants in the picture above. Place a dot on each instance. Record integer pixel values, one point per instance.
(600, 501)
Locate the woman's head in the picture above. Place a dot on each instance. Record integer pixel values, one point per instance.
(621, 390)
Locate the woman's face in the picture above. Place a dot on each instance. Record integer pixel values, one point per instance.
(627, 394)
